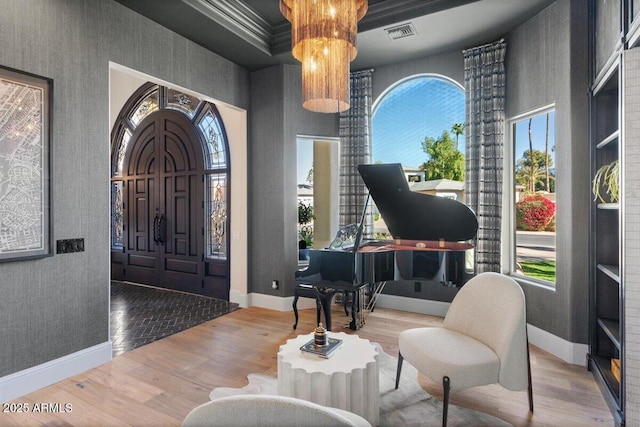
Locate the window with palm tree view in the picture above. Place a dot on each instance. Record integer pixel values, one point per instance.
(419, 123)
(534, 219)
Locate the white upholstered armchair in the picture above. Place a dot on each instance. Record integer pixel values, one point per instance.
(268, 410)
(483, 340)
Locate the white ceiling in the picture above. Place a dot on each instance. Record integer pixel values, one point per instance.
(460, 27)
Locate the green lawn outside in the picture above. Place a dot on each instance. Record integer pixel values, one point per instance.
(544, 270)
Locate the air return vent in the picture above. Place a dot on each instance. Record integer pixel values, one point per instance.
(401, 31)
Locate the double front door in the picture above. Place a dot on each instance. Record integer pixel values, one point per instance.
(163, 204)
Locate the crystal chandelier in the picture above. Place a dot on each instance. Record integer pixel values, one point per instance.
(323, 39)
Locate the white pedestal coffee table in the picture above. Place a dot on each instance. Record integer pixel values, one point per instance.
(347, 380)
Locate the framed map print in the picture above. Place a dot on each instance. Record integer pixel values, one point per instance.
(25, 139)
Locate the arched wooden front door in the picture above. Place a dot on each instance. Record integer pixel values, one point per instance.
(170, 190)
(163, 182)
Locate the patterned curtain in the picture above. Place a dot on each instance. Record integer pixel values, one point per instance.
(484, 81)
(355, 149)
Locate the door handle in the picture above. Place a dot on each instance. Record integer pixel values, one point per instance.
(162, 229)
(156, 229)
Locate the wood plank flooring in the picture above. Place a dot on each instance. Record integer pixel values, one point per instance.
(158, 384)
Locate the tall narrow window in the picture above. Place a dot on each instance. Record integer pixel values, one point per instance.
(117, 214)
(534, 196)
(216, 188)
(216, 216)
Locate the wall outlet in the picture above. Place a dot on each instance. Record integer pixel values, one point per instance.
(417, 286)
(69, 245)
(275, 284)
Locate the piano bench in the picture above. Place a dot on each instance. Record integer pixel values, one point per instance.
(323, 297)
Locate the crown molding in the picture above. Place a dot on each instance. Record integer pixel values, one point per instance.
(238, 18)
(273, 39)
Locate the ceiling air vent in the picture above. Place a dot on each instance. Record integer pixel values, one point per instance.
(401, 31)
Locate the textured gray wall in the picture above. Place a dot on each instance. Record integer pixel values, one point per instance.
(276, 118)
(450, 64)
(59, 305)
(631, 197)
(546, 63)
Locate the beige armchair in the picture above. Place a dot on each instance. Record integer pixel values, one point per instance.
(268, 410)
(483, 340)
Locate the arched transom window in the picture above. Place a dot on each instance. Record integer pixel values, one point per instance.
(412, 109)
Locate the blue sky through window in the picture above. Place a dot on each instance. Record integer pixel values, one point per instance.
(538, 134)
(419, 107)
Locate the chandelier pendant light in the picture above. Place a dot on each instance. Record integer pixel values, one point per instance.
(323, 39)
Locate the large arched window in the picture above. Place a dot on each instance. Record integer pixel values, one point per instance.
(205, 117)
(420, 106)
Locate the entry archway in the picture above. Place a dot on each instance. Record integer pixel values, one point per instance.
(169, 193)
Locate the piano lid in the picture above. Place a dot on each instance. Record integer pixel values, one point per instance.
(412, 215)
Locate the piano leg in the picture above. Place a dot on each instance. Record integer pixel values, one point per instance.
(318, 307)
(357, 309)
(326, 308)
(295, 310)
(325, 297)
(307, 291)
(353, 325)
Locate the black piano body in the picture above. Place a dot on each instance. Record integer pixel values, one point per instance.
(428, 242)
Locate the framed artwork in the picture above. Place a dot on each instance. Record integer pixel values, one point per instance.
(25, 153)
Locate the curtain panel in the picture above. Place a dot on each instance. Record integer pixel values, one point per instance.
(484, 81)
(355, 149)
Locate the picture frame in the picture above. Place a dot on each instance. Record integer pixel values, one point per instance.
(25, 165)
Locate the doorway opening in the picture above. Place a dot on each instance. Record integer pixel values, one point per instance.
(318, 191)
(170, 190)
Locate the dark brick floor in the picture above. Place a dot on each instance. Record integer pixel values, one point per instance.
(143, 314)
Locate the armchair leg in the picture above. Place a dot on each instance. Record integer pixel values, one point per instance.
(445, 407)
(400, 359)
(530, 388)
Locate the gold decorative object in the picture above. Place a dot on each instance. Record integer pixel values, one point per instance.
(320, 336)
(323, 39)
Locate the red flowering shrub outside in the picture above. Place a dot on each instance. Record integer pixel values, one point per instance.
(534, 213)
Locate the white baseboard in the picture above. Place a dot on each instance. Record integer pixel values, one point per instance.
(570, 352)
(29, 380)
(241, 299)
(413, 305)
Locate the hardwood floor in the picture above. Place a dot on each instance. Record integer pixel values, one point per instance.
(158, 384)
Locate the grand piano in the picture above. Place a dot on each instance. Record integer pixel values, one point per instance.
(429, 235)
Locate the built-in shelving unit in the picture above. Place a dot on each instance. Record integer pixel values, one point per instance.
(606, 343)
(606, 349)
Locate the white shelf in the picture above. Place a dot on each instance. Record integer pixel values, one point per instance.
(608, 206)
(612, 271)
(613, 137)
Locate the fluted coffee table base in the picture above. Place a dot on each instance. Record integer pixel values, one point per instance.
(347, 380)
